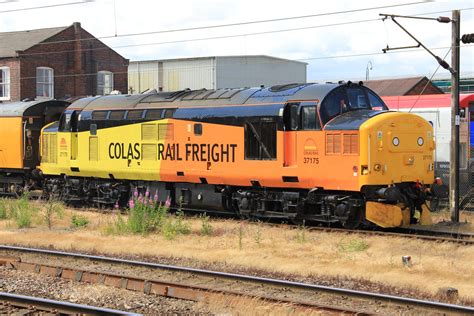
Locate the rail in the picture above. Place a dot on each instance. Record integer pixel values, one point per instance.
(48, 305)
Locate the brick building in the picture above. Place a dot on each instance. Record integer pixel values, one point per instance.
(58, 62)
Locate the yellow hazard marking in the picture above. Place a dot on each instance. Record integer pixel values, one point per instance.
(384, 215)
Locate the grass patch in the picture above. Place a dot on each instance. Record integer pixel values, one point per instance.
(175, 225)
(22, 212)
(78, 221)
(353, 245)
(3, 209)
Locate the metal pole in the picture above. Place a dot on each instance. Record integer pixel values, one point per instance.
(455, 119)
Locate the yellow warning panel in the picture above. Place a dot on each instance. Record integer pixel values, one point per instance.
(384, 215)
(11, 142)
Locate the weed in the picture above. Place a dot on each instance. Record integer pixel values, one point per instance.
(118, 227)
(3, 209)
(206, 227)
(22, 212)
(175, 225)
(301, 233)
(352, 245)
(241, 235)
(78, 221)
(258, 233)
(52, 210)
(145, 214)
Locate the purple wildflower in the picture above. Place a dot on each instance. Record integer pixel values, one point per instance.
(155, 197)
(116, 206)
(168, 202)
(147, 193)
(131, 203)
(135, 193)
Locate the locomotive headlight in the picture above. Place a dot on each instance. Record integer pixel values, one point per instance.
(420, 141)
(395, 141)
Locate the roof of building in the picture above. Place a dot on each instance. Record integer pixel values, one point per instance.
(226, 56)
(398, 86)
(11, 42)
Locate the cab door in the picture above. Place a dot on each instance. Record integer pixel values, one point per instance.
(291, 119)
(74, 131)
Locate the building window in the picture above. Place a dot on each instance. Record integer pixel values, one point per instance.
(45, 82)
(4, 83)
(105, 82)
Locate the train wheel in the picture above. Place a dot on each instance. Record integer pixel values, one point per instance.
(354, 219)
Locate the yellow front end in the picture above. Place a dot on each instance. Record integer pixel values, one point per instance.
(395, 148)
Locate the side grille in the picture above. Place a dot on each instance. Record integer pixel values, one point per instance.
(44, 148)
(149, 152)
(350, 143)
(333, 143)
(93, 148)
(149, 132)
(53, 148)
(166, 131)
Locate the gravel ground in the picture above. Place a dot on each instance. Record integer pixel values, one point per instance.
(141, 303)
(32, 284)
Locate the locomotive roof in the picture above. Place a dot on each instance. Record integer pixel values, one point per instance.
(25, 108)
(204, 97)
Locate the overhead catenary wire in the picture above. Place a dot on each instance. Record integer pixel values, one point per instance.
(213, 37)
(428, 82)
(302, 59)
(45, 6)
(215, 26)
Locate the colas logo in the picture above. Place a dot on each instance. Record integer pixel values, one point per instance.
(63, 144)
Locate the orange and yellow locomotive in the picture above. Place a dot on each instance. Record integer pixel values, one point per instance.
(322, 152)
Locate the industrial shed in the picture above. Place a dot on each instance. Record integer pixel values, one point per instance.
(213, 73)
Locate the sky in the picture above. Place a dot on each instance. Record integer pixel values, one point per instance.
(342, 45)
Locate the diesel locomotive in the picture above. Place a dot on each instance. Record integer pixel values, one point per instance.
(316, 152)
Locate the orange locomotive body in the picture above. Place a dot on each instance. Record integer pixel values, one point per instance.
(330, 152)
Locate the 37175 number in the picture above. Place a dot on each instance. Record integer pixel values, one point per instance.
(311, 160)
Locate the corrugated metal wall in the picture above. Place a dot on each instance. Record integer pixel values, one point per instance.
(188, 73)
(213, 72)
(143, 75)
(253, 71)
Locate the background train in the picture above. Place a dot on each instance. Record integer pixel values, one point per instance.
(323, 152)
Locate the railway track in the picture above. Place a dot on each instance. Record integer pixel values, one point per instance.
(13, 304)
(203, 285)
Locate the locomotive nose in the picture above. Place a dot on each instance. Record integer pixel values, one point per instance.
(398, 148)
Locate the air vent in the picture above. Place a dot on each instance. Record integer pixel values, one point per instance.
(149, 152)
(350, 144)
(93, 148)
(149, 132)
(333, 144)
(166, 131)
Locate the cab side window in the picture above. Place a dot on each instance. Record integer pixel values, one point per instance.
(65, 122)
(332, 105)
(375, 101)
(309, 119)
